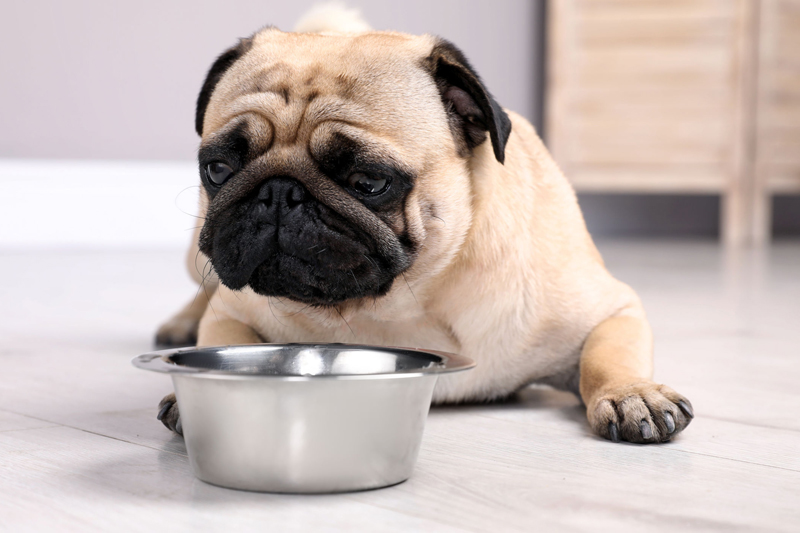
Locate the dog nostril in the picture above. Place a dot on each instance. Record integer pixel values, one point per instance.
(267, 198)
(282, 193)
(295, 196)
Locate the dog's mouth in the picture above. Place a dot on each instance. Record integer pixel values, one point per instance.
(329, 278)
(307, 253)
(321, 283)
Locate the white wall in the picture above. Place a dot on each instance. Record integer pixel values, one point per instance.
(97, 204)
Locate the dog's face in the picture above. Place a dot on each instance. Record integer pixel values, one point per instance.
(333, 164)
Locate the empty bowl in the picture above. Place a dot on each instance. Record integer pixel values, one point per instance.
(303, 417)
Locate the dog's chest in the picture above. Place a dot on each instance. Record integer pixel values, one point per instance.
(425, 333)
(501, 366)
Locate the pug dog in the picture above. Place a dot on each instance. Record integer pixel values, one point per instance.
(365, 187)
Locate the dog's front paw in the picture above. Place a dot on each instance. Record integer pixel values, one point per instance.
(180, 330)
(169, 415)
(643, 412)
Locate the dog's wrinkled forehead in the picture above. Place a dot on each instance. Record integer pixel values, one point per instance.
(297, 82)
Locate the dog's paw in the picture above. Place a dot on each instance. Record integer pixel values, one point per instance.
(169, 415)
(180, 330)
(643, 412)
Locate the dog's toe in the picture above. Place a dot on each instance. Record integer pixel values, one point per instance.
(167, 406)
(178, 331)
(169, 415)
(644, 413)
(613, 432)
(669, 420)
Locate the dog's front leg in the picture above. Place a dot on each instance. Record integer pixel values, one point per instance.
(622, 401)
(181, 329)
(216, 329)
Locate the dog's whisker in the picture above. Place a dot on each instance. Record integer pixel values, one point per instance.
(175, 202)
(203, 278)
(345, 321)
(269, 301)
(355, 279)
(298, 311)
(221, 299)
(368, 258)
(409, 287)
(210, 304)
(205, 290)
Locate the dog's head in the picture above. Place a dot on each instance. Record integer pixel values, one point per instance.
(332, 164)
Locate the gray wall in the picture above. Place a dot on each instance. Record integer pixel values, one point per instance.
(113, 79)
(100, 79)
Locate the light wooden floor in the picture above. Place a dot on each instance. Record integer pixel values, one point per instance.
(81, 450)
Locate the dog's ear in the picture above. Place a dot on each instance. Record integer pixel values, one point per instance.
(215, 73)
(470, 108)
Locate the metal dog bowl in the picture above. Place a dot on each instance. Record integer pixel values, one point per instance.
(303, 417)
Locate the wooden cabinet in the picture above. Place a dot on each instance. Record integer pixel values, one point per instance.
(678, 96)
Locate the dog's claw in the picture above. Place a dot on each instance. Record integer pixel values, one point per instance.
(169, 415)
(670, 422)
(613, 432)
(643, 412)
(647, 433)
(163, 411)
(686, 408)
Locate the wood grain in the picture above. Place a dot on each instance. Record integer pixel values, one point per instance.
(778, 141)
(679, 97)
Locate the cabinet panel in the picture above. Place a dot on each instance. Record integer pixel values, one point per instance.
(778, 145)
(646, 88)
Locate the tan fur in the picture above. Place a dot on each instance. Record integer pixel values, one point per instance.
(506, 274)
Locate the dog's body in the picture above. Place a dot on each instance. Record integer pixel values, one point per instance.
(472, 247)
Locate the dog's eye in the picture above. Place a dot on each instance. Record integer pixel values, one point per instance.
(366, 184)
(218, 173)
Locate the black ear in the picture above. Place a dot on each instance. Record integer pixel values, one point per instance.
(470, 107)
(215, 73)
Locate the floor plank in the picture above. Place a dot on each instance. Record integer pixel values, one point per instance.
(92, 483)
(15, 422)
(80, 448)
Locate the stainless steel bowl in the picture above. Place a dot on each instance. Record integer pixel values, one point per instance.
(303, 417)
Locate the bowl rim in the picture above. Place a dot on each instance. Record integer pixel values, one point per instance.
(159, 361)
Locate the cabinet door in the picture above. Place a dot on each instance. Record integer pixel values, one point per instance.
(645, 95)
(778, 145)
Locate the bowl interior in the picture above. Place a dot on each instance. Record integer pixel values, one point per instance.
(304, 360)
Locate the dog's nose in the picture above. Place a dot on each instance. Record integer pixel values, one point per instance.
(281, 195)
